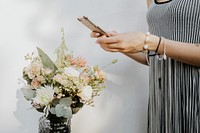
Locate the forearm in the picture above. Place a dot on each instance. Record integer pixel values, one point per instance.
(184, 52)
(139, 57)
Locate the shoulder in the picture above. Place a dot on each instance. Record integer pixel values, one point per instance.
(149, 2)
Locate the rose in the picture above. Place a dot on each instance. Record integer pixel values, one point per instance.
(33, 70)
(35, 83)
(69, 71)
(85, 93)
(41, 79)
(44, 96)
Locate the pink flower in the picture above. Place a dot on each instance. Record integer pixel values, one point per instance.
(85, 78)
(35, 83)
(80, 61)
(70, 59)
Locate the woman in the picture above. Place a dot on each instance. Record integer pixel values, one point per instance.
(172, 52)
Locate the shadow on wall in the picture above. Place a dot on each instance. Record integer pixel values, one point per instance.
(26, 115)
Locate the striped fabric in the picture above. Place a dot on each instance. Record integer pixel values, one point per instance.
(174, 95)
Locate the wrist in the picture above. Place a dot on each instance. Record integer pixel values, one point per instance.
(153, 42)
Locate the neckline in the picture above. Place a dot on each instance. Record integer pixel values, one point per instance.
(162, 2)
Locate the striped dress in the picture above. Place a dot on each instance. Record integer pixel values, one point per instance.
(174, 95)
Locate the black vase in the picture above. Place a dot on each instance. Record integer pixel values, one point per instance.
(53, 124)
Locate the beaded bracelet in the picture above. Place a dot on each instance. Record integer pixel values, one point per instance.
(145, 47)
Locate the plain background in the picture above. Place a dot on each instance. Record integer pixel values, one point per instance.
(26, 24)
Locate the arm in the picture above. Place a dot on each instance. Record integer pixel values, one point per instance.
(184, 52)
(134, 43)
(149, 3)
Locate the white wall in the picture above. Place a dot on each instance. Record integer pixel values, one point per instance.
(25, 24)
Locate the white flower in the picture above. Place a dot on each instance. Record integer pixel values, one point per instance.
(62, 79)
(47, 71)
(85, 93)
(100, 74)
(69, 71)
(44, 95)
(33, 70)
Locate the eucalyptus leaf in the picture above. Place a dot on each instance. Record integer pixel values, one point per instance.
(63, 111)
(59, 110)
(52, 110)
(46, 61)
(28, 93)
(66, 101)
(68, 112)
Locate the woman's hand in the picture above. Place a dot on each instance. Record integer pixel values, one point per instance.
(124, 43)
(97, 35)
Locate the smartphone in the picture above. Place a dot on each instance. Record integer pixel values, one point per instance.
(85, 21)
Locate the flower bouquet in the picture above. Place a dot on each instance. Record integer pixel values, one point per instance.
(60, 89)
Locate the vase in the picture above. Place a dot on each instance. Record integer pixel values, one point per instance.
(53, 124)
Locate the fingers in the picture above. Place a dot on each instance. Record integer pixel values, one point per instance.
(112, 33)
(108, 34)
(95, 34)
(109, 49)
(107, 40)
(110, 43)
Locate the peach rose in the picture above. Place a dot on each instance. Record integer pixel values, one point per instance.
(35, 83)
(33, 69)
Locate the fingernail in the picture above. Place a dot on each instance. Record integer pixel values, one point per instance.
(97, 34)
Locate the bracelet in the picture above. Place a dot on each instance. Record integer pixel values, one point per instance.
(158, 45)
(146, 46)
(164, 56)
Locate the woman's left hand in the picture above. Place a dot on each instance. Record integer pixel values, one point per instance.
(131, 42)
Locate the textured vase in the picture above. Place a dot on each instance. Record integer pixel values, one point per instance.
(54, 125)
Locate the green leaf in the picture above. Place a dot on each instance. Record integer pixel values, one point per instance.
(52, 110)
(63, 111)
(59, 110)
(68, 113)
(46, 61)
(66, 101)
(28, 93)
